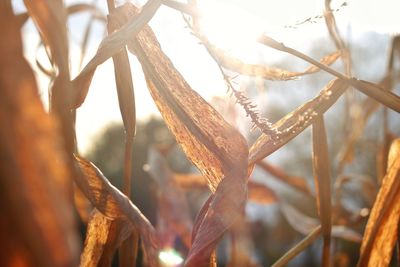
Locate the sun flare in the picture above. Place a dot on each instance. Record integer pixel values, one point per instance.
(228, 26)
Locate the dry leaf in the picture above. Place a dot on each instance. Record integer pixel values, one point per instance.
(37, 224)
(113, 204)
(215, 147)
(381, 231)
(103, 237)
(97, 233)
(322, 183)
(109, 47)
(229, 62)
(297, 121)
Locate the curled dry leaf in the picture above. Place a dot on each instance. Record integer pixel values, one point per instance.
(215, 147)
(229, 62)
(113, 204)
(381, 231)
(37, 224)
(322, 183)
(297, 121)
(109, 47)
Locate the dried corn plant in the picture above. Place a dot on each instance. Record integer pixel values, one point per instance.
(46, 184)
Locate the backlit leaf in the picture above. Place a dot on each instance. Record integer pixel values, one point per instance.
(103, 237)
(215, 147)
(297, 121)
(37, 224)
(113, 204)
(381, 231)
(229, 62)
(109, 47)
(322, 182)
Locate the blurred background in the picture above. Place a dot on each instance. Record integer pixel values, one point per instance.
(368, 28)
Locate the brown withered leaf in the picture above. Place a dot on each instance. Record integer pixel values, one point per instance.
(322, 182)
(219, 212)
(37, 224)
(215, 147)
(210, 144)
(381, 231)
(113, 204)
(50, 18)
(96, 238)
(382, 95)
(270, 73)
(109, 47)
(103, 237)
(82, 205)
(298, 120)
(126, 101)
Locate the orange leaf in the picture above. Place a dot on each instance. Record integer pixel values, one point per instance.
(109, 47)
(322, 183)
(103, 236)
(113, 204)
(215, 147)
(37, 225)
(381, 231)
(269, 73)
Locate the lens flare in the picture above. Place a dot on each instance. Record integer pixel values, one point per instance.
(170, 258)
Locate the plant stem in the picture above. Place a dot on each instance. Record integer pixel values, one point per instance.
(300, 247)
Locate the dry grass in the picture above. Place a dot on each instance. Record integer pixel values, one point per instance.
(41, 171)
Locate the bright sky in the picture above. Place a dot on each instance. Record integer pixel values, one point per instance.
(231, 24)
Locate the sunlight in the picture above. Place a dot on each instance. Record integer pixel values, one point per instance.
(170, 258)
(228, 26)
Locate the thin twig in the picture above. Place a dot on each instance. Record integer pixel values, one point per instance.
(300, 247)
